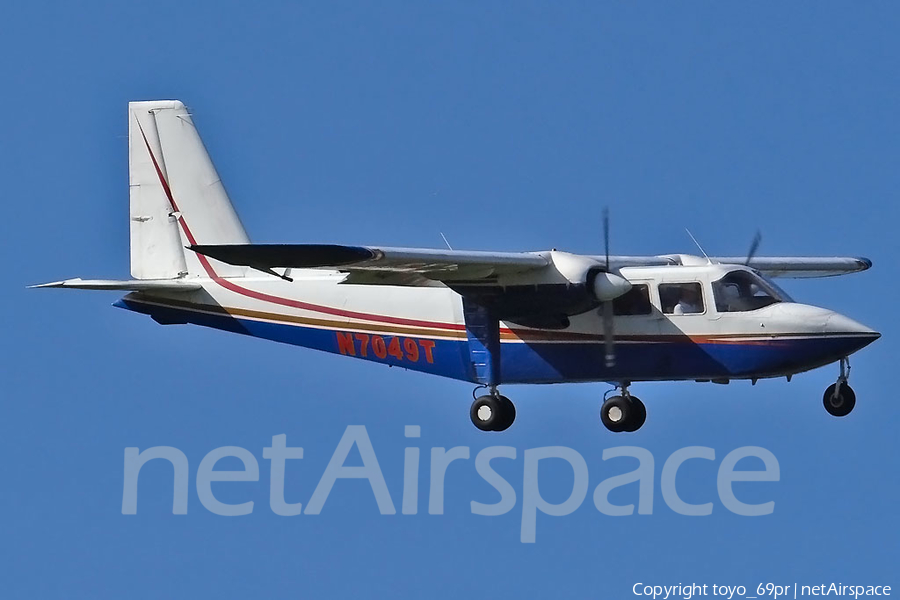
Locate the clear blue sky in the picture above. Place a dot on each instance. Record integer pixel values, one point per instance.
(507, 126)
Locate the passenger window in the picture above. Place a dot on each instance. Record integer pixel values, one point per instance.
(681, 298)
(635, 302)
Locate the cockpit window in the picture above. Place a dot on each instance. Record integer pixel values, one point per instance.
(741, 291)
(681, 298)
(635, 302)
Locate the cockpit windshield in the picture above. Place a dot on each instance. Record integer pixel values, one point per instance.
(741, 291)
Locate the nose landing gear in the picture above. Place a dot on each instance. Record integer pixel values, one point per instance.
(839, 398)
(492, 412)
(623, 412)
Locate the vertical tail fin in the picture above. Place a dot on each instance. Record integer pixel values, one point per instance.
(177, 198)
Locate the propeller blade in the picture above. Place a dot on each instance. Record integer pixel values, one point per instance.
(609, 334)
(608, 280)
(606, 234)
(754, 246)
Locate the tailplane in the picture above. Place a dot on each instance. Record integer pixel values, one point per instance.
(177, 198)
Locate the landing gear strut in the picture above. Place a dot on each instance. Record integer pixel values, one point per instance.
(492, 412)
(839, 398)
(623, 412)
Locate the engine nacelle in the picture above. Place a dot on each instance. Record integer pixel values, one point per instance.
(574, 285)
(608, 286)
(586, 271)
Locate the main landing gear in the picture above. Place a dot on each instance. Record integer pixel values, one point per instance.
(492, 412)
(623, 412)
(839, 398)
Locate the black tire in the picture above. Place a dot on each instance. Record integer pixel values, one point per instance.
(622, 410)
(507, 414)
(843, 404)
(492, 413)
(638, 416)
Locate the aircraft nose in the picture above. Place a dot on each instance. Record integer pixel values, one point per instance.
(855, 334)
(838, 323)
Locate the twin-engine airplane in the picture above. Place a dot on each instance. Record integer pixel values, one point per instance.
(483, 317)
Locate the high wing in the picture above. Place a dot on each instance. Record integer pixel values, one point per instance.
(401, 266)
(419, 266)
(801, 266)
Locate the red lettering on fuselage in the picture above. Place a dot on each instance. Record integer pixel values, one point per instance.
(345, 343)
(379, 347)
(364, 344)
(394, 349)
(412, 349)
(400, 348)
(428, 346)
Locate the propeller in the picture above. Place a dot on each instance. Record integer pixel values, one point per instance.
(600, 279)
(754, 246)
(607, 306)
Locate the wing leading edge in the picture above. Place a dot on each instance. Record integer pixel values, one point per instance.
(801, 266)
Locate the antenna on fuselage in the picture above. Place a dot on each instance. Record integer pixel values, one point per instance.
(705, 255)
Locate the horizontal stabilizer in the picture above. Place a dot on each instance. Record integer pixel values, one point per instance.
(131, 285)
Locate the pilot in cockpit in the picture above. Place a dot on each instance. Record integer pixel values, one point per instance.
(741, 291)
(690, 302)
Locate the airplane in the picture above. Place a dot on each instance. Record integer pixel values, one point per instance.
(488, 318)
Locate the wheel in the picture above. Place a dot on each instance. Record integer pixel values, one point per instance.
(638, 416)
(484, 412)
(492, 413)
(616, 413)
(843, 403)
(508, 414)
